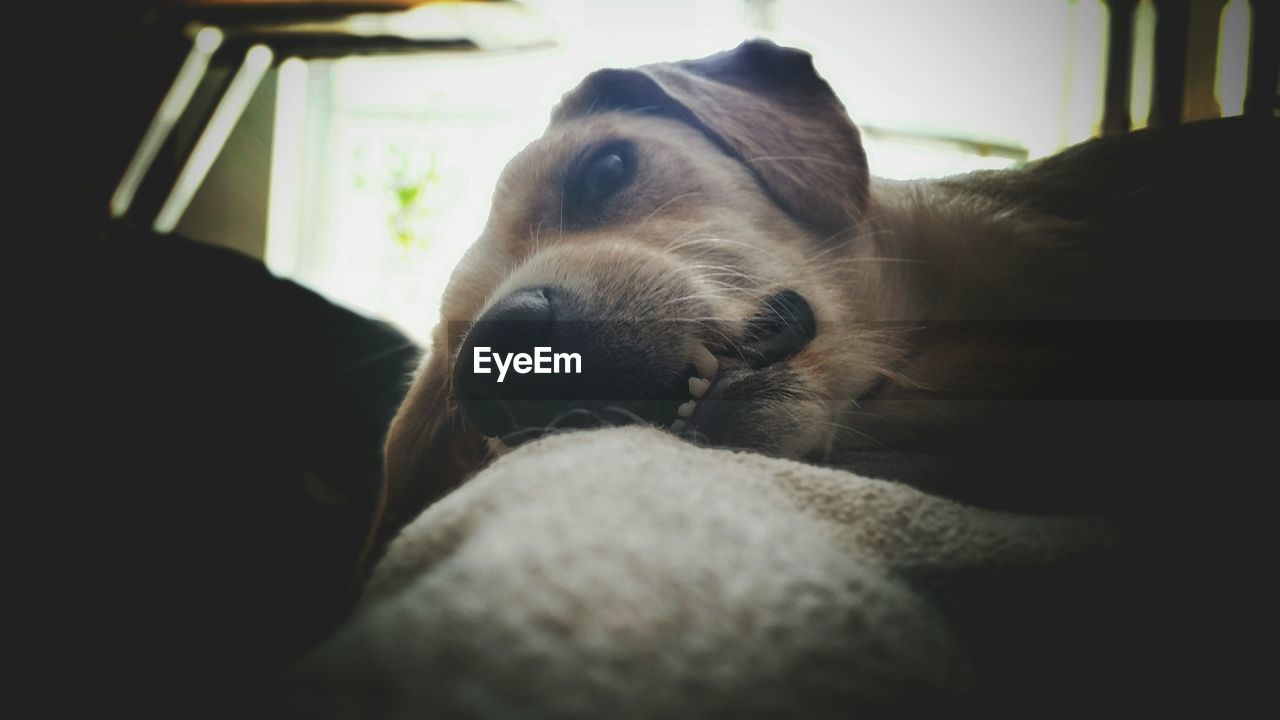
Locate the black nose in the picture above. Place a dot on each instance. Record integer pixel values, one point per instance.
(623, 371)
(782, 328)
(518, 323)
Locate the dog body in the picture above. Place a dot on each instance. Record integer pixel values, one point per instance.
(723, 184)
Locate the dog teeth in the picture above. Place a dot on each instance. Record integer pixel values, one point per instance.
(707, 366)
(706, 363)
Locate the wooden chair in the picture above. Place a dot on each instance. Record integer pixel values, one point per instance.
(1185, 63)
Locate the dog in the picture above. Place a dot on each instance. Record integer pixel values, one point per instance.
(708, 235)
(707, 238)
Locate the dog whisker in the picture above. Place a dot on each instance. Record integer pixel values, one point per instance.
(846, 428)
(633, 417)
(754, 249)
(803, 158)
(911, 261)
(380, 355)
(675, 242)
(664, 205)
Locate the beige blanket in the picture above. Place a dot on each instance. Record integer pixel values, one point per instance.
(624, 572)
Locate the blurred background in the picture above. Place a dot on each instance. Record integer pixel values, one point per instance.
(366, 177)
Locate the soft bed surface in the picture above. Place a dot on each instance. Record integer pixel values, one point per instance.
(623, 572)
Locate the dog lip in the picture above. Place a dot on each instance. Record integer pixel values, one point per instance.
(706, 412)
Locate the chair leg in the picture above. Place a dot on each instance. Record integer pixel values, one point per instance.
(1172, 31)
(1115, 115)
(1200, 101)
(1264, 59)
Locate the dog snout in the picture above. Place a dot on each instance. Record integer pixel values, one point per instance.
(544, 358)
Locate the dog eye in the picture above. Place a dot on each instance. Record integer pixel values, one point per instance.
(606, 173)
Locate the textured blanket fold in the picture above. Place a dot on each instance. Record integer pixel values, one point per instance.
(624, 572)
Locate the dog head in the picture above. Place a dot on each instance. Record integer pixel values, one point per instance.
(691, 231)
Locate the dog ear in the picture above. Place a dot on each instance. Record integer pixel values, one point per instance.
(429, 451)
(762, 104)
